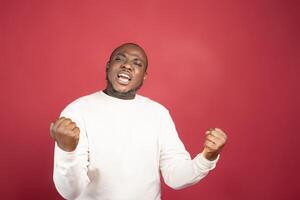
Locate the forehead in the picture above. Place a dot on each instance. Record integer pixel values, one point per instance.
(131, 50)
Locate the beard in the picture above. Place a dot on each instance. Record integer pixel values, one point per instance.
(130, 94)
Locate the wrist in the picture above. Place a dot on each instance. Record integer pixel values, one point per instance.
(66, 148)
(211, 156)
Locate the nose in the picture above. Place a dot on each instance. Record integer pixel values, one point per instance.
(127, 66)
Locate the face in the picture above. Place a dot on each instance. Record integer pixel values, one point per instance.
(126, 71)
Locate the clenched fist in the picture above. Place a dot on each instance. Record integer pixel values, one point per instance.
(66, 133)
(214, 142)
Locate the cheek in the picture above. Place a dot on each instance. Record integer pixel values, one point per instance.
(139, 81)
(139, 76)
(110, 75)
(111, 71)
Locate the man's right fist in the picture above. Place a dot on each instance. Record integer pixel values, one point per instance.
(65, 132)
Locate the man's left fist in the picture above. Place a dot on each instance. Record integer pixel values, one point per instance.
(214, 142)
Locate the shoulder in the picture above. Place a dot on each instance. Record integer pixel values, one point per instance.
(82, 102)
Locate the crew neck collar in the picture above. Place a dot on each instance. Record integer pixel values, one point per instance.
(115, 99)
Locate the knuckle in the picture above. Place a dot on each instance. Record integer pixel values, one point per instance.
(77, 130)
(68, 120)
(72, 123)
(218, 134)
(210, 137)
(70, 132)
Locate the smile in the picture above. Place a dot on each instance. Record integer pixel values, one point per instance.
(124, 78)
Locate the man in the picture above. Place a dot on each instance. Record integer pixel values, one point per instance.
(112, 144)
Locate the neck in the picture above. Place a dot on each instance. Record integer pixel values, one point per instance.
(113, 93)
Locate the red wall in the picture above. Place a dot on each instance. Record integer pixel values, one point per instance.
(229, 64)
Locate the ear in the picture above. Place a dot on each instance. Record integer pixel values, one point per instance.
(107, 66)
(145, 75)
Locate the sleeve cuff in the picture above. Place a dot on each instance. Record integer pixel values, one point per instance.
(205, 164)
(65, 156)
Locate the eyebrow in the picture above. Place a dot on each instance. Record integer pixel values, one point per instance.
(134, 55)
(120, 54)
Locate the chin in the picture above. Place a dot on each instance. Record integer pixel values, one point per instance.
(122, 90)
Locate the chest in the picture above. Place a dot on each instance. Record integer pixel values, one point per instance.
(123, 136)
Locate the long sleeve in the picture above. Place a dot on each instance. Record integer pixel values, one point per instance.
(70, 168)
(177, 167)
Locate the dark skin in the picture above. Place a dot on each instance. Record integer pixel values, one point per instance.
(131, 60)
(126, 71)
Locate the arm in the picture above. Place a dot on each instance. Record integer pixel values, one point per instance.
(71, 154)
(177, 167)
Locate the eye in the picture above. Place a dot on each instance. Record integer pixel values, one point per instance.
(138, 64)
(119, 58)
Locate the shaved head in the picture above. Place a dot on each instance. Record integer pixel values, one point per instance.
(133, 45)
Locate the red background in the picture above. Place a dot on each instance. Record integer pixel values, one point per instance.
(229, 64)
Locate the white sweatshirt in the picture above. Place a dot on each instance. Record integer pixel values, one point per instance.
(123, 146)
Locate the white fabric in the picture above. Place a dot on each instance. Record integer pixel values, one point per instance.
(123, 145)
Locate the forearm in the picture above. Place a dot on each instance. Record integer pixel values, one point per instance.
(70, 174)
(183, 173)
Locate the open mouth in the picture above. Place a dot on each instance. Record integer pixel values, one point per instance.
(124, 78)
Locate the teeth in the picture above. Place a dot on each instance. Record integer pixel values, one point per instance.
(124, 80)
(124, 76)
